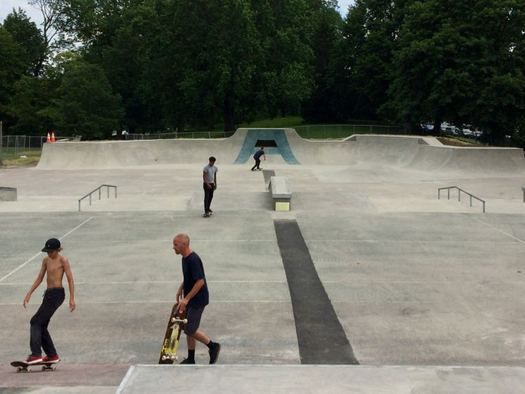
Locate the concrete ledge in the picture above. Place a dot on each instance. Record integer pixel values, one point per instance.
(281, 193)
(322, 379)
(8, 194)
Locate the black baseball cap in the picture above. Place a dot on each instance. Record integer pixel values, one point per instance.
(51, 244)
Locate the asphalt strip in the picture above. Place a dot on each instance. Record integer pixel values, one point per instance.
(321, 337)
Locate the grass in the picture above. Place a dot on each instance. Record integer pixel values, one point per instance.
(281, 122)
(10, 157)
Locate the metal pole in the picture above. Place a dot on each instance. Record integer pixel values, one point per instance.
(1, 135)
(448, 190)
(99, 190)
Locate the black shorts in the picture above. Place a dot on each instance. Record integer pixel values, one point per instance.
(194, 320)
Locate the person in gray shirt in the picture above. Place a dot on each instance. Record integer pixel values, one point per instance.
(209, 177)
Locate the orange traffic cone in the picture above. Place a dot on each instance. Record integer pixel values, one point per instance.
(48, 138)
(53, 136)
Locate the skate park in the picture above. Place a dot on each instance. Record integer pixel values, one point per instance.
(424, 293)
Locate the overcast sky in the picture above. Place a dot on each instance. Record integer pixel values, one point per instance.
(6, 7)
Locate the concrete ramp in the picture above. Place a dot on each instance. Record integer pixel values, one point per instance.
(287, 379)
(285, 145)
(119, 154)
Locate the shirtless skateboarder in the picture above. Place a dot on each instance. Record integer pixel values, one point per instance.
(55, 266)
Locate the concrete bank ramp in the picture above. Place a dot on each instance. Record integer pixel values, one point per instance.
(322, 379)
(411, 152)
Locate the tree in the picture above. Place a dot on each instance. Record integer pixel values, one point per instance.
(204, 61)
(498, 101)
(461, 62)
(370, 35)
(11, 68)
(285, 71)
(28, 105)
(325, 102)
(26, 34)
(86, 103)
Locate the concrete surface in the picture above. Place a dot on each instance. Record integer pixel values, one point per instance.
(323, 379)
(414, 281)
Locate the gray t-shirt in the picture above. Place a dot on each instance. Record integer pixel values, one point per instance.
(210, 172)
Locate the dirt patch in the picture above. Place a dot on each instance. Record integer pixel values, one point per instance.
(458, 141)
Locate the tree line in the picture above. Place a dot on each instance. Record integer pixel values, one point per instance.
(100, 65)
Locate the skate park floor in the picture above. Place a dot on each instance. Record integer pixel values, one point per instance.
(428, 292)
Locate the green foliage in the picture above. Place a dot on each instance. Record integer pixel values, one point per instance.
(29, 106)
(288, 121)
(29, 39)
(184, 65)
(462, 62)
(86, 105)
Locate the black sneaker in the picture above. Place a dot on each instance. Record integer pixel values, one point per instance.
(188, 361)
(214, 352)
(206, 215)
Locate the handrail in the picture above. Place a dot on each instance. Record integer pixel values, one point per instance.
(99, 193)
(459, 195)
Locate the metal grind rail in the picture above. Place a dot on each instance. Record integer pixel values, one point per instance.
(99, 189)
(459, 195)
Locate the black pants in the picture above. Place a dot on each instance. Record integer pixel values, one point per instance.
(208, 196)
(40, 338)
(257, 163)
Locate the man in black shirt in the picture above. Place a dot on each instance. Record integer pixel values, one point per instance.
(257, 158)
(193, 297)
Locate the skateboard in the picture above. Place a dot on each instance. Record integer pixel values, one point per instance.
(176, 322)
(22, 366)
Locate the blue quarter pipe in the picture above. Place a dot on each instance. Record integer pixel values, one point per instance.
(277, 135)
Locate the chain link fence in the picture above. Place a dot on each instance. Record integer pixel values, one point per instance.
(182, 134)
(22, 142)
(20, 146)
(310, 131)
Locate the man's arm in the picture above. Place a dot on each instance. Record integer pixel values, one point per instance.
(179, 292)
(215, 179)
(196, 288)
(71, 283)
(38, 280)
